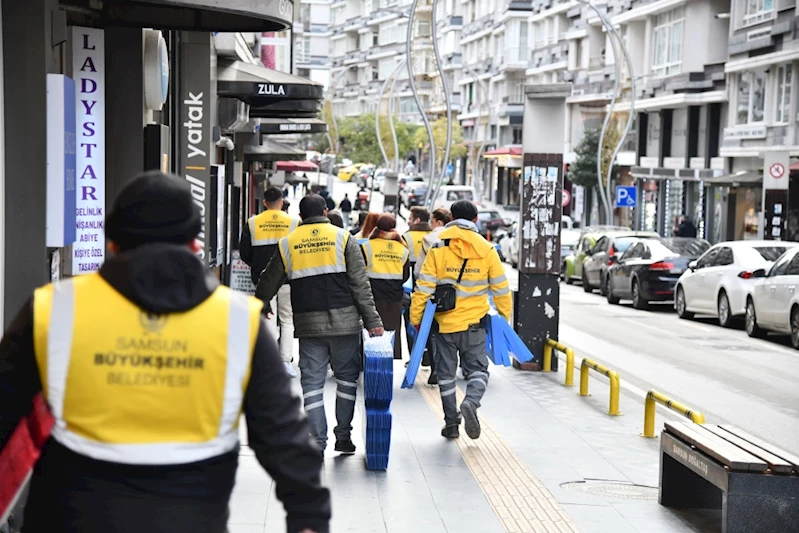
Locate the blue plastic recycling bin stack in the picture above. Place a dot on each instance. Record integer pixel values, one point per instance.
(378, 392)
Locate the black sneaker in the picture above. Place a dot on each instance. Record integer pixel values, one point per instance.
(451, 431)
(470, 421)
(426, 359)
(433, 379)
(345, 446)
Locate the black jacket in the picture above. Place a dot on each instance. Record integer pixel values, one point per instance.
(686, 229)
(345, 206)
(257, 257)
(72, 493)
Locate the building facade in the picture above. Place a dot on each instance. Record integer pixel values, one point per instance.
(104, 92)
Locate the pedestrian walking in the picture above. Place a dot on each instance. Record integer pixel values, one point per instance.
(259, 239)
(387, 267)
(686, 228)
(145, 366)
(356, 229)
(335, 218)
(419, 228)
(346, 210)
(332, 303)
(461, 270)
(286, 189)
(438, 220)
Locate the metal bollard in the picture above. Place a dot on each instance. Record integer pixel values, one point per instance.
(551, 345)
(587, 365)
(653, 398)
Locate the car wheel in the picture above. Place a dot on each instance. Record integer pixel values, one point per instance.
(681, 305)
(795, 328)
(723, 306)
(603, 285)
(752, 329)
(638, 299)
(566, 277)
(609, 293)
(586, 286)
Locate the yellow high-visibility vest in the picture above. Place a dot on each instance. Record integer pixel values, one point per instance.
(269, 227)
(414, 239)
(385, 259)
(130, 387)
(314, 249)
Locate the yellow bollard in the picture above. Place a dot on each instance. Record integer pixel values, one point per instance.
(583, 379)
(547, 357)
(652, 398)
(587, 364)
(569, 367)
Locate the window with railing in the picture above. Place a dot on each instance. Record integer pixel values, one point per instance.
(757, 11)
(304, 50)
(784, 91)
(751, 97)
(667, 42)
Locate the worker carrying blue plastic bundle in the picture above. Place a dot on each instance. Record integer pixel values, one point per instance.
(459, 272)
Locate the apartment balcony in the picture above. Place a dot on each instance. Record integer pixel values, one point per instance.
(516, 58)
(519, 5)
(311, 61)
(511, 106)
(453, 61)
(424, 6)
(454, 21)
(385, 50)
(355, 56)
(485, 22)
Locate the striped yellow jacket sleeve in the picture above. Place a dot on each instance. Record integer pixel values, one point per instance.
(425, 288)
(499, 286)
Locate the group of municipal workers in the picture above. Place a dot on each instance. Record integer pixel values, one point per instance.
(146, 365)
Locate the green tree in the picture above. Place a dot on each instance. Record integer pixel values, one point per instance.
(583, 171)
(458, 147)
(359, 139)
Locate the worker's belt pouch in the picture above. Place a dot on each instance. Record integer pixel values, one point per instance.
(446, 296)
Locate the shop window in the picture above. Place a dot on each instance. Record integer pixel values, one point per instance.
(517, 135)
(668, 38)
(751, 104)
(784, 86)
(757, 11)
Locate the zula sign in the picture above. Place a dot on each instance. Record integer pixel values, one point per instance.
(777, 170)
(88, 60)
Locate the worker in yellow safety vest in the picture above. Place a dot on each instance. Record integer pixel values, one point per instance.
(419, 228)
(466, 267)
(146, 366)
(387, 267)
(257, 245)
(332, 303)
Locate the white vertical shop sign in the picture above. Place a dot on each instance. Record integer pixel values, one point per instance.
(88, 68)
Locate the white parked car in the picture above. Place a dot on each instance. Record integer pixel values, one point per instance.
(773, 302)
(718, 282)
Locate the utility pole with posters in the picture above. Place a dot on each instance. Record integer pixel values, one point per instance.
(537, 309)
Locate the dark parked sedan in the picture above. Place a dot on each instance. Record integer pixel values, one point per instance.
(649, 269)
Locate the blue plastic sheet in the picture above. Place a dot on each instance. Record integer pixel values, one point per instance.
(407, 287)
(503, 342)
(378, 393)
(419, 344)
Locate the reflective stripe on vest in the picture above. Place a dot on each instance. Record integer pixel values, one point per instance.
(313, 250)
(385, 259)
(270, 226)
(129, 387)
(414, 239)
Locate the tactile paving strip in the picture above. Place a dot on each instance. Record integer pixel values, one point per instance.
(518, 498)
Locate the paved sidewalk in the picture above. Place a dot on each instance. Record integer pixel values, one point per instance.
(538, 437)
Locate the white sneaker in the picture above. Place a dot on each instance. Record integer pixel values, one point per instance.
(290, 370)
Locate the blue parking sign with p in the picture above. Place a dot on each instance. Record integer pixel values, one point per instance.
(626, 196)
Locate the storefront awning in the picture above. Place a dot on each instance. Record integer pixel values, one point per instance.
(192, 15)
(260, 86)
(743, 177)
(288, 109)
(296, 166)
(506, 156)
(505, 150)
(277, 126)
(270, 151)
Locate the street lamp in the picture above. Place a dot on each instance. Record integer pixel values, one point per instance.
(334, 150)
(431, 196)
(377, 115)
(604, 189)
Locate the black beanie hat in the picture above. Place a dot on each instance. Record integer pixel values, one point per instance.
(154, 207)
